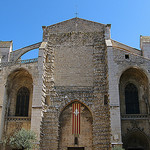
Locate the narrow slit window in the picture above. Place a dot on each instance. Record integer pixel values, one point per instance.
(105, 99)
(126, 56)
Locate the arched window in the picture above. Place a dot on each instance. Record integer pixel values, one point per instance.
(131, 99)
(22, 104)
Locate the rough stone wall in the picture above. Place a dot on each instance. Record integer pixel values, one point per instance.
(15, 125)
(5, 49)
(73, 65)
(101, 130)
(145, 46)
(48, 140)
(91, 94)
(72, 25)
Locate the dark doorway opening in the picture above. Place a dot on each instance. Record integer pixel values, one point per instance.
(75, 148)
(136, 141)
(135, 148)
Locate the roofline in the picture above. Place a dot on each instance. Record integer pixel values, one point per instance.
(75, 18)
(125, 45)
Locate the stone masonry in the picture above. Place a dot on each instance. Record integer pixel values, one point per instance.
(55, 88)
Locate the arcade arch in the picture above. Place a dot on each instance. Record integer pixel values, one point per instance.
(136, 140)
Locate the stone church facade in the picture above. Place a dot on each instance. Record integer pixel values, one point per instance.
(85, 91)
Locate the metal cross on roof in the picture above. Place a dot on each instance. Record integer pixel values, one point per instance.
(76, 11)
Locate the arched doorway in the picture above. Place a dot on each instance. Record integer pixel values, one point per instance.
(75, 132)
(136, 141)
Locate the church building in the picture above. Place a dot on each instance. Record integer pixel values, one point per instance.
(85, 91)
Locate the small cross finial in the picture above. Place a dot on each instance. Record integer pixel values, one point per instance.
(76, 12)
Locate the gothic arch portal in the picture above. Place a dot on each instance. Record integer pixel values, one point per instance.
(75, 126)
(18, 79)
(136, 140)
(134, 104)
(19, 91)
(137, 78)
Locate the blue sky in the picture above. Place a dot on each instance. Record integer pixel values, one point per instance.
(22, 20)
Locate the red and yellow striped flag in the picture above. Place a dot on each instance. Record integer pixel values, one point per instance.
(76, 118)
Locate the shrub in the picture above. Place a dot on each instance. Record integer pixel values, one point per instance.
(117, 148)
(23, 139)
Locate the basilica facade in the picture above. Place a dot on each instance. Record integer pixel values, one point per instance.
(85, 91)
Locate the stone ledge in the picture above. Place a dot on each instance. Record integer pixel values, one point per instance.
(134, 116)
(14, 118)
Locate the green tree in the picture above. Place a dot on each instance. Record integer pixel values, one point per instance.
(23, 139)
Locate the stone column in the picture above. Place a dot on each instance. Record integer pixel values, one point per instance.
(3, 112)
(145, 46)
(49, 124)
(49, 129)
(101, 115)
(114, 97)
(36, 117)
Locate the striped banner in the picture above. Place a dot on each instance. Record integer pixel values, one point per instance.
(76, 118)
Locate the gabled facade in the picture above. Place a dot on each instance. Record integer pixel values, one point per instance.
(85, 91)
